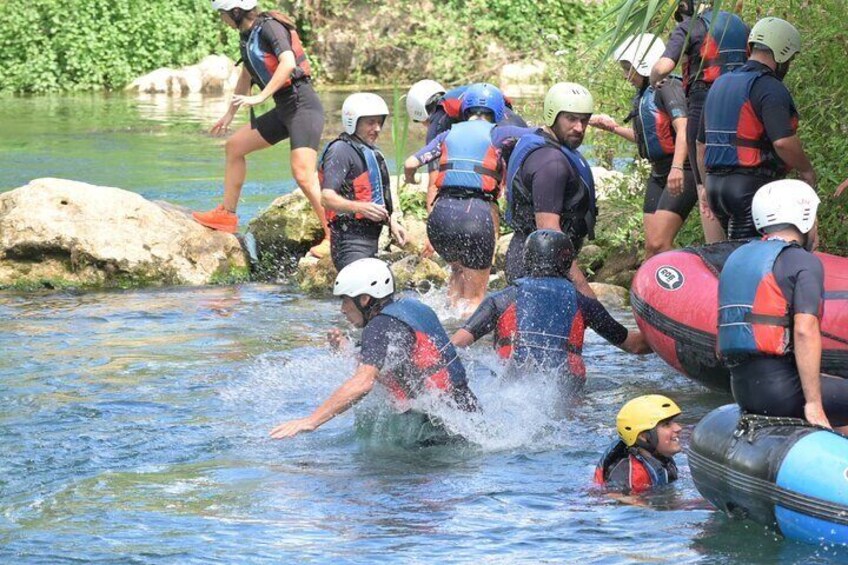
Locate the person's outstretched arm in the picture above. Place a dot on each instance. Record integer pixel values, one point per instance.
(351, 392)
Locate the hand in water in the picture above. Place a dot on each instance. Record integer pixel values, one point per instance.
(240, 100)
(337, 339)
(814, 414)
(292, 428)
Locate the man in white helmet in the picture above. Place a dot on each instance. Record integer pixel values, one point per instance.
(404, 347)
(549, 183)
(355, 183)
(659, 128)
(748, 137)
(771, 295)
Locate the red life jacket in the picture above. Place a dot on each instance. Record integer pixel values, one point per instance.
(505, 332)
(370, 186)
(646, 471)
(735, 136)
(753, 314)
(451, 102)
(262, 64)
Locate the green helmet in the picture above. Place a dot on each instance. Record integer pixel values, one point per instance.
(778, 35)
(567, 97)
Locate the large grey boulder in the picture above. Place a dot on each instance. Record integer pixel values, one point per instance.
(57, 233)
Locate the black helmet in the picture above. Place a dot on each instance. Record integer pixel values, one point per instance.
(548, 253)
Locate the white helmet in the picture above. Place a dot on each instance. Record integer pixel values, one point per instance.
(361, 104)
(365, 276)
(780, 36)
(421, 95)
(641, 51)
(786, 201)
(567, 97)
(227, 5)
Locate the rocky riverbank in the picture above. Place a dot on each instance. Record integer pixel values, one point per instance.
(58, 233)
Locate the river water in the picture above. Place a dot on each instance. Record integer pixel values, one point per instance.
(133, 424)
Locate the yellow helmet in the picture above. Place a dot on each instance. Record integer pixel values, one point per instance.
(643, 414)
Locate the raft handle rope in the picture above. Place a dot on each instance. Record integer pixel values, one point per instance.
(750, 423)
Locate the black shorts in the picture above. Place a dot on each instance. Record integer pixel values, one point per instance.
(298, 115)
(658, 198)
(730, 197)
(694, 110)
(355, 242)
(462, 230)
(771, 386)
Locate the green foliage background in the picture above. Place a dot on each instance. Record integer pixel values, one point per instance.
(50, 45)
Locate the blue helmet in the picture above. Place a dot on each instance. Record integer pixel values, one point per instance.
(484, 95)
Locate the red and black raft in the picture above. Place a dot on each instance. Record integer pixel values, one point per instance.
(675, 300)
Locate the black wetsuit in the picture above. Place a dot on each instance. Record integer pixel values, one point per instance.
(771, 385)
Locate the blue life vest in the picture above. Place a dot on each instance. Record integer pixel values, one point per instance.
(370, 186)
(735, 136)
(725, 47)
(581, 209)
(545, 310)
(753, 314)
(469, 160)
(435, 357)
(656, 134)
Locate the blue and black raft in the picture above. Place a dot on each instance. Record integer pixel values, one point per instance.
(779, 472)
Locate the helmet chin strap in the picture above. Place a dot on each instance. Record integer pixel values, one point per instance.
(371, 309)
(652, 442)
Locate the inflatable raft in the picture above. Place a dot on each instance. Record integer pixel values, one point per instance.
(778, 472)
(675, 300)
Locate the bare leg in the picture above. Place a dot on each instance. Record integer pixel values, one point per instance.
(303, 164)
(713, 232)
(455, 284)
(473, 286)
(243, 142)
(660, 229)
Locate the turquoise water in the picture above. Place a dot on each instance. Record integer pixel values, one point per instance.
(133, 425)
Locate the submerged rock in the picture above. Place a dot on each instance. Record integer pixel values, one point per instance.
(59, 233)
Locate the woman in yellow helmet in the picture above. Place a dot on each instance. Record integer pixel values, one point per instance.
(643, 455)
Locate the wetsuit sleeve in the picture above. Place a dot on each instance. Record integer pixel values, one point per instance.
(433, 150)
(773, 103)
(276, 37)
(677, 42)
(505, 134)
(672, 99)
(597, 318)
(439, 122)
(485, 319)
(386, 343)
(549, 174)
(339, 166)
(800, 276)
(702, 128)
